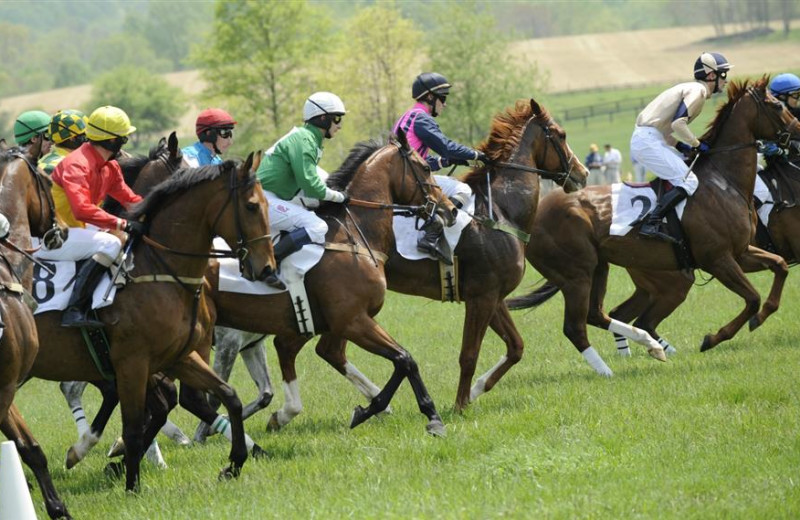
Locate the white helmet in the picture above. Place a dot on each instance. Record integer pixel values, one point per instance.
(321, 103)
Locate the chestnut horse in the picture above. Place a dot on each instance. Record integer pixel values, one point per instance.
(26, 201)
(574, 247)
(659, 293)
(158, 321)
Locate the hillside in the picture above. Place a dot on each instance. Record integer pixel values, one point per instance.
(574, 63)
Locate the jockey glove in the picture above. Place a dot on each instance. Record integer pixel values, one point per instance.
(135, 228)
(480, 156)
(771, 149)
(684, 148)
(702, 147)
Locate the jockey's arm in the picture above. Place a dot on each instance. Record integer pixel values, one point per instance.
(429, 133)
(303, 163)
(76, 187)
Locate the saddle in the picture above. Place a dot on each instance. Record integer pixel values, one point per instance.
(673, 227)
(776, 177)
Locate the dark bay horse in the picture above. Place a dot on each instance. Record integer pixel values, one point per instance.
(574, 248)
(26, 201)
(160, 318)
(346, 289)
(658, 293)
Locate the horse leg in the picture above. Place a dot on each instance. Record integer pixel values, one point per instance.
(504, 327)
(227, 345)
(89, 439)
(626, 312)
(195, 373)
(254, 356)
(728, 272)
(576, 291)
(132, 380)
(287, 350)
(367, 334)
(756, 259)
(73, 391)
(477, 316)
(15, 429)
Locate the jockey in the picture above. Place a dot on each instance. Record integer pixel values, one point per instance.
(786, 88)
(32, 127)
(214, 128)
(430, 90)
(292, 181)
(68, 132)
(652, 141)
(80, 182)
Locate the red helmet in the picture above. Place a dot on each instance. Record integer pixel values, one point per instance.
(213, 118)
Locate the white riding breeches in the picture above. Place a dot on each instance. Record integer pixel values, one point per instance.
(85, 243)
(649, 148)
(454, 189)
(285, 215)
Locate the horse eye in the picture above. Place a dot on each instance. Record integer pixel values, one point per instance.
(252, 206)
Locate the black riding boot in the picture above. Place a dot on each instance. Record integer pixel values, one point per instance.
(432, 242)
(652, 226)
(289, 243)
(80, 303)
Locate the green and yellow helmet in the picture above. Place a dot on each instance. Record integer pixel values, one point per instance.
(67, 124)
(30, 124)
(107, 123)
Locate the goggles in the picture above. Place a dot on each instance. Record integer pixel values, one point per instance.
(225, 133)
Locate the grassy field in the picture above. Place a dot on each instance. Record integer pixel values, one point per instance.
(707, 435)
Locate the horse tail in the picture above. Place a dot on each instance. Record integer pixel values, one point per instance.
(533, 299)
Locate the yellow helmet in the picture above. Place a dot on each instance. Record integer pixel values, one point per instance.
(67, 124)
(107, 123)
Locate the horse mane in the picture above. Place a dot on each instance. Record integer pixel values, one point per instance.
(181, 180)
(736, 91)
(340, 179)
(504, 135)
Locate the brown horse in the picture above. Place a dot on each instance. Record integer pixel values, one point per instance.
(346, 289)
(658, 293)
(26, 200)
(158, 320)
(574, 247)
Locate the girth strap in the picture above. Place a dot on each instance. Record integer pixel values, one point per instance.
(505, 228)
(356, 249)
(148, 278)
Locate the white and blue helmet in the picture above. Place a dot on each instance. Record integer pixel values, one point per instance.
(709, 62)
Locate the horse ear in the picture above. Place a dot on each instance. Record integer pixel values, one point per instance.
(172, 145)
(537, 110)
(401, 138)
(3, 144)
(248, 164)
(256, 161)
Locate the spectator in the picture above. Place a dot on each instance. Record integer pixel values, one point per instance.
(612, 159)
(594, 161)
(639, 171)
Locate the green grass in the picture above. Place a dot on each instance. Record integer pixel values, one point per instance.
(702, 436)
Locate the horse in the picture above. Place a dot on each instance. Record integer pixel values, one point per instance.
(346, 288)
(658, 293)
(185, 212)
(26, 200)
(574, 246)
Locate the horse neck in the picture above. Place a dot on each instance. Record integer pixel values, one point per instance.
(516, 192)
(183, 225)
(738, 166)
(18, 202)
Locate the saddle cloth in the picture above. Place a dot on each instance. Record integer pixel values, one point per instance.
(230, 280)
(761, 192)
(629, 203)
(406, 236)
(52, 292)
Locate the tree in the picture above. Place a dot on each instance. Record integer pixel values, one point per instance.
(485, 75)
(261, 58)
(153, 105)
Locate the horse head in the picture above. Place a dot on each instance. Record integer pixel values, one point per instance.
(553, 153)
(425, 190)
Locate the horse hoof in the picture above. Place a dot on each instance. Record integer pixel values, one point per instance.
(117, 449)
(273, 425)
(258, 452)
(657, 353)
(360, 414)
(706, 343)
(436, 428)
(670, 350)
(229, 473)
(114, 470)
(72, 458)
(754, 323)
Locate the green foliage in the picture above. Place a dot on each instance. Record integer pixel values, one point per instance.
(261, 59)
(484, 76)
(152, 104)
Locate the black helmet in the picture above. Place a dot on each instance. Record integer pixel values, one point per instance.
(430, 82)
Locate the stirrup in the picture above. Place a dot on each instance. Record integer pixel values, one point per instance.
(431, 249)
(655, 232)
(74, 318)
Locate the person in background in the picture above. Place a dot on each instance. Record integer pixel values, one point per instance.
(653, 144)
(612, 160)
(67, 132)
(31, 128)
(594, 162)
(639, 171)
(214, 129)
